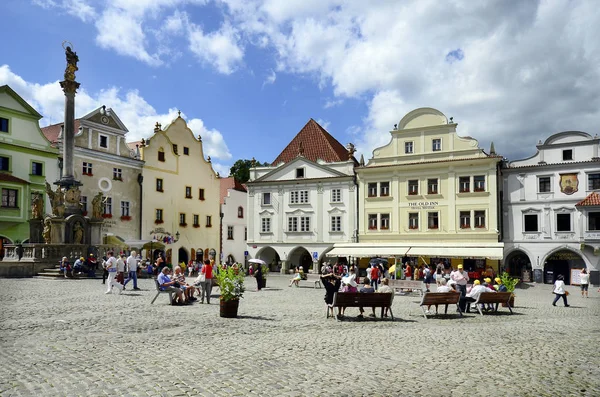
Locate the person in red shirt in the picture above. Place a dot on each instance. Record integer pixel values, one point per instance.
(374, 276)
(408, 271)
(207, 271)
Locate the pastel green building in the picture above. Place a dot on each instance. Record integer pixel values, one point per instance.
(27, 161)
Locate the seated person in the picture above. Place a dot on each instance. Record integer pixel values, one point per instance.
(64, 266)
(296, 279)
(78, 265)
(366, 289)
(499, 286)
(443, 287)
(302, 274)
(331, 283)
(348, 285)
(166, 284)
(386, 289)
(188, 290)
(474, 293)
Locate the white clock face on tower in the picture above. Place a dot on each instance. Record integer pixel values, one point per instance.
(104, 119)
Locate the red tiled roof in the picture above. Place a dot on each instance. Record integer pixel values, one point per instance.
(230, 183)
(9, 178)
(592, 200)
(317, 144)
(53, 131)
(132, 145)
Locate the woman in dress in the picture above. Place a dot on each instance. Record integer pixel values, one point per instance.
(559, 290)
(258, 276)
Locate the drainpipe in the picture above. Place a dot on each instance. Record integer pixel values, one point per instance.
(140, 179)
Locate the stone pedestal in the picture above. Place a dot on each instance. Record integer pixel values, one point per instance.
(284, 267)
(36, 227)
(96, 231)
(57, 231)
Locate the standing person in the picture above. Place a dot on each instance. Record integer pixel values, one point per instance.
(461, 278)
(207, 271)
(585, 282)
(408, 272)
(104, 270)
(374, 276)
(369, 271)
(331, 283)
(159, 264)
(132, 264)
(439, 274)
(559, 290)
(121, 268)
(258, 276)
(427, 277)
(111, 268)
(64, 265)
(92, 265)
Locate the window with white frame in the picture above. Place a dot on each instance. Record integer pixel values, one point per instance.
(372, 221)
(124, 208)
(465, 219)
(336, 223)
(384, 221)
(372, 189)
(103, 141)
(336, 195)
(265, 225)
(479, 183)
(182, 221)
(305, 224)
(87, 169)
(266, 199)
(530, 222)
(413, 220)
(117, 174)
(563, 222)
(544, 184)
(304, 196)
(37, 168)
(593, 221)
(436, 145)
(229, 232)
(408, 147)
(10, 198)
(196, 220)
(464, 184)
(107, 206)
(159, 215)
(292, 224)
(433, 220)
(479, 219)
(299, 197)
(240, 212)
(432, 186)
(384, 189)
(413, 187)
(159, 184)
(593, 181)
(208, 220)
(188, 192)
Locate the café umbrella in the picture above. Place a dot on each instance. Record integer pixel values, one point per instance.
(259, 261)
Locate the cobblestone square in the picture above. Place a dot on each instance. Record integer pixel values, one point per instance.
(67, 338)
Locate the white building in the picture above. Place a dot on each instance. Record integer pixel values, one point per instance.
(233, 220)
(304, 203)
(551, 209)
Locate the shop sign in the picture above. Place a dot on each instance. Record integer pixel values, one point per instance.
(564, 256)
(424, 205)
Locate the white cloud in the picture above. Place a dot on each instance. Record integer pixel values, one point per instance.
(138, 115)
(324, 123)
(270, 79)
(219, 49)
(78, 8)
(330, 103)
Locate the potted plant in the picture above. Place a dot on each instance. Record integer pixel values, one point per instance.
(231, 285)
(510, 283)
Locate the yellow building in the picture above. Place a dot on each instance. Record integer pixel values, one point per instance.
(429, 195)
(181, 196)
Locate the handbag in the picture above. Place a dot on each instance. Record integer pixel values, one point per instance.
(202, 277)
(567, 293)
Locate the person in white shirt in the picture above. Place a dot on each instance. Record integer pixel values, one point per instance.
(132, 264)
(585, 282)
(121, 268)
(443, 287)
(475, 291)
(111, 268)
(386, 289)
(559, 290)
(460, 278)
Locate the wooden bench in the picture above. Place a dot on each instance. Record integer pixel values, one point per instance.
(312, 278)
(159, 291)
(440, 298)
(493, 297)
(407, 285)
(358, 299)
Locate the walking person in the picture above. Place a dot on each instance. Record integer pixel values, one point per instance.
(111, 268)
(132, 265)
(460, 278)
(559, 290)
(585, 282)
(375, 276)
(427, 277)
(121, 268)
(258, 276)
(104, 270)
(206, 285)
(439, 274)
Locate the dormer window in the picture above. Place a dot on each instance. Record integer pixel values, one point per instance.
(103, 141)
(568, 155)
(299, 173)
(161, 155)
(240, 212)
(175, 149)
(408, 147)
(436, 145)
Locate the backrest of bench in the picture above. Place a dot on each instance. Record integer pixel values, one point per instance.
(494, 297)
(437, 298)
(362, 299)
(406, 284)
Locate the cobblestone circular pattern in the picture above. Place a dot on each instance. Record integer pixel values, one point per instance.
(67, 338)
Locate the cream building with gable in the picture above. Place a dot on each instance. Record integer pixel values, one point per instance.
(181, 196)
(428, 194)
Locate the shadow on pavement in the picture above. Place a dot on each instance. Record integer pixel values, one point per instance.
(255, 318)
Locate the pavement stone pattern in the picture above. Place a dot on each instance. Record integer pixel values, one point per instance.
(67, 338)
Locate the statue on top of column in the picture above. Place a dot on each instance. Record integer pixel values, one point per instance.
(72, 60)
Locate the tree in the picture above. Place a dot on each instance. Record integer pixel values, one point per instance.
(240, 170)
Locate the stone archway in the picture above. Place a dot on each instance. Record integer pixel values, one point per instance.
(561, 262)
(518, 262)
(300, 256)
(182, 256)
(270, 256)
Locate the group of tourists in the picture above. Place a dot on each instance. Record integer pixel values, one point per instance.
(184, 291)
(116, 268)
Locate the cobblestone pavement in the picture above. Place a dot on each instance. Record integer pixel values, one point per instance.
(67, 338)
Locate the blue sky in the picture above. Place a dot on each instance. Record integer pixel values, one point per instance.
(248, 74)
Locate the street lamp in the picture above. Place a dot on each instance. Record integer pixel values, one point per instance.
(177, 236)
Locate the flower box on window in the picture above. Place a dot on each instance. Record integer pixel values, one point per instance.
(413, 227)
(159, 221)
(107, 216)
(372, 227)
(196, 226)
(480, 189)
(480, 227)
(183, 224)
(465, 226)
(88, 174)
(432, 192)
(125, 218)
(433, 227)
(118, 179)
(412, 193)
(463, 190)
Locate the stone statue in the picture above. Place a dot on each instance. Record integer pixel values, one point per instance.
(37, 206)
(57, 200)
(72, 60)
(47, 230)
(97, 206)
(78, 233)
